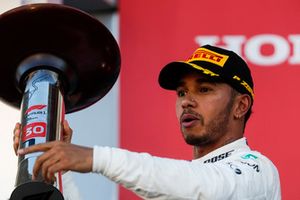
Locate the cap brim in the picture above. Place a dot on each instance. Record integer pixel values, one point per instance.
(172, 73)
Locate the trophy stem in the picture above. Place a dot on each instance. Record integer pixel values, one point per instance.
(42, 115)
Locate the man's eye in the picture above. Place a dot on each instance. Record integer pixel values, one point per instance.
(204, 89)
(180, 93)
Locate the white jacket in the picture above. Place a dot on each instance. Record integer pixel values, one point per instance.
(233, 171)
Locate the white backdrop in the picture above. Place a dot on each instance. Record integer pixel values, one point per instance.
(96, 125)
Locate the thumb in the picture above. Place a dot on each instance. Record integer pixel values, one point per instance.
(67, 132)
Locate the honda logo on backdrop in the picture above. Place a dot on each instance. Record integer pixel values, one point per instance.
(285, 49)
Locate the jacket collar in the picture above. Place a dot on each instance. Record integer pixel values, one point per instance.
(225, 151)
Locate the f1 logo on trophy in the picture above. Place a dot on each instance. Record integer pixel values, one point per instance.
(55, 60)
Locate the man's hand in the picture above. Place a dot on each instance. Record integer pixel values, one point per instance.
(59, 156)
(67, 134)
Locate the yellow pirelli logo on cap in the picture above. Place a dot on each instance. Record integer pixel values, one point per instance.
(203, 54)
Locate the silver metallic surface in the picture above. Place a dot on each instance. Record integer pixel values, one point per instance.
(42, 115)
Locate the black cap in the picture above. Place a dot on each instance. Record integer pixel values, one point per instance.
(215, 62)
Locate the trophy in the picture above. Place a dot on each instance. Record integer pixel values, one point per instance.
(55, 59)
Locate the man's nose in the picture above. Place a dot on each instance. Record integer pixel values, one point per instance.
(188, 101)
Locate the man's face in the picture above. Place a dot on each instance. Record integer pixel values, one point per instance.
(203, 109)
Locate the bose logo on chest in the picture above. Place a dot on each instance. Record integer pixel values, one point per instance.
(219, 157)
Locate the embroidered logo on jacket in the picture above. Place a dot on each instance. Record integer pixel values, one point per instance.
(219, 157)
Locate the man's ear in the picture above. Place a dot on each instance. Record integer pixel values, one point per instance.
(242, 105)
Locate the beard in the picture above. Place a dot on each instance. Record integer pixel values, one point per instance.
(213, 130)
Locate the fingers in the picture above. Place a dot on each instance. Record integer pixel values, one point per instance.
(37, 148)
(53, 170)
(47, 162)
(51, 162)
(67, 136)
(41, 159)
(16, 138)
(67, 132)
(49, 173)
(43, 162)
(54, 158)
(47, 165)
(59, 156)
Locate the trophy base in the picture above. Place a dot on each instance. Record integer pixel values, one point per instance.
(36, 191)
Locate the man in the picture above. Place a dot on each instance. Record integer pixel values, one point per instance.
(214, 99)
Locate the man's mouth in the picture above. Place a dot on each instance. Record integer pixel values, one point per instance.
(188, 120)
